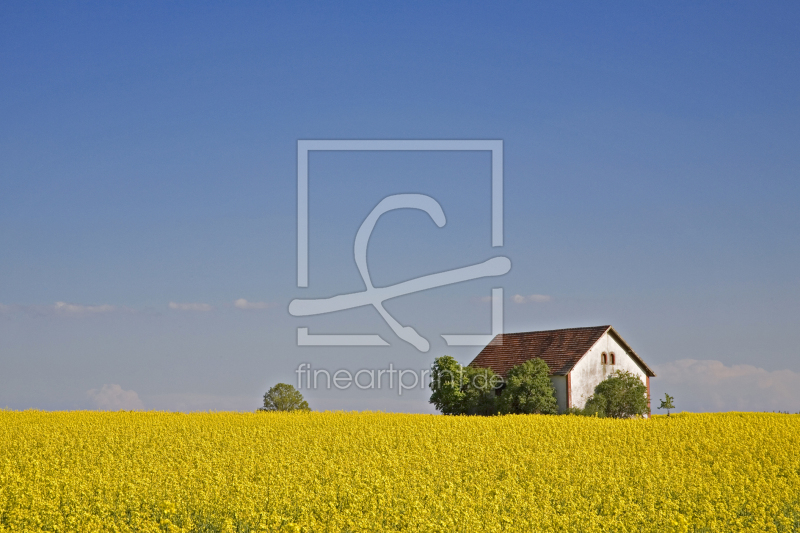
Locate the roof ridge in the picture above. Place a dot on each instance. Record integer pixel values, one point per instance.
(605, 327)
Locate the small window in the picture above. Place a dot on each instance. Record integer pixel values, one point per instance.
(613, 359)
(604, 358)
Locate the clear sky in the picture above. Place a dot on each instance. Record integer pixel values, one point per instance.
(148, 178)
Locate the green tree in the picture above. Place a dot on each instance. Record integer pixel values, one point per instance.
(459, 390)
(620, 395)
(480, 391)
(283, 397)
(447, 380)
(529, 390)
(666, 403)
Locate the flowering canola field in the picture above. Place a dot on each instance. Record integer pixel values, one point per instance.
(155, 471)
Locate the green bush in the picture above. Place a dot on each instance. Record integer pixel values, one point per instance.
(620, 395)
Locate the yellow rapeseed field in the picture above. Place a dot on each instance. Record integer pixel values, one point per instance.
(155, 471)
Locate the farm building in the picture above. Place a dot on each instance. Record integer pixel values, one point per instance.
(579, 359)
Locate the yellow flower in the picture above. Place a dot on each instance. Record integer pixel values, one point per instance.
(155, 471)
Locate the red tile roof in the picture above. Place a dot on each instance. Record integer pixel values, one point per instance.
(561, 349)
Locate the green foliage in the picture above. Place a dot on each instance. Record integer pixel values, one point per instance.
(447, 380)
(529, 390)
(666, 403)
(620, 395)
(595, 406)
(458, 390)
(480, 391)
(283, 397)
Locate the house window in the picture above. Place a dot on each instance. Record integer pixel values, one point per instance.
(604, 358)
(612, 358)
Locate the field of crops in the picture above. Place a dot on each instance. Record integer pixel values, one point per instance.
(150, 471)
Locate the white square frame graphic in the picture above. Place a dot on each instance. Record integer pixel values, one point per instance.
(304, 146)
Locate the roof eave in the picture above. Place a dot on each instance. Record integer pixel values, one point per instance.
(633, 354)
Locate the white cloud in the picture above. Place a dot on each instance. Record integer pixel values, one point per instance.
(535, 298)
(73, 309)
(190, 306)
(708, 385)
(60, 309)
(241, 303)
(114, 398)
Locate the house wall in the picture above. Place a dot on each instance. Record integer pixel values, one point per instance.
(590, 371)
(560, 384)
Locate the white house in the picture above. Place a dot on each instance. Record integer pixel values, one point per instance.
(579, 359)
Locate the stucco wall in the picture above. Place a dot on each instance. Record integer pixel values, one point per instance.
(560, 384)
(590, 371)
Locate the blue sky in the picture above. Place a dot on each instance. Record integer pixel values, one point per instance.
(148, 157)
